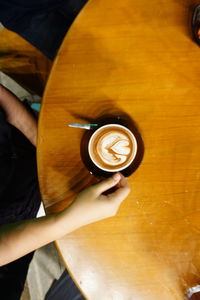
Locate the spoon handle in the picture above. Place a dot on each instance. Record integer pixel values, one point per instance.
(83, 126)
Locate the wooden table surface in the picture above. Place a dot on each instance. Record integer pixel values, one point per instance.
(136, 57)
(22, 62)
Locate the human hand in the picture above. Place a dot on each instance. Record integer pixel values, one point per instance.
(92, 205)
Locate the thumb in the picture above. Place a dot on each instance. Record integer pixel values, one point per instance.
(107, 183)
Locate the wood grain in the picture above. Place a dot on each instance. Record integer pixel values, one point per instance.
(23, 62)
(136, 57)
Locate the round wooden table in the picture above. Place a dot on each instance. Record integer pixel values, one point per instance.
(136, 57)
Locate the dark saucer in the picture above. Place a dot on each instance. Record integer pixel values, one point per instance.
(124, 120)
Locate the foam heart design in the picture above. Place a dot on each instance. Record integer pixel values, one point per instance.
(121, 147)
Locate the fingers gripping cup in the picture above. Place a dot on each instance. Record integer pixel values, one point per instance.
(112, 147)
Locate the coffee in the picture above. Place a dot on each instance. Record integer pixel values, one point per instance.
(112, 147)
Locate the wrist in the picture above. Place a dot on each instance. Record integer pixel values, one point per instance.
(65, 222)
(27, 124)
(32, 132)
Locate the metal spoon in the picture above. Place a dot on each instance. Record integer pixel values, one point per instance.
(83, 126)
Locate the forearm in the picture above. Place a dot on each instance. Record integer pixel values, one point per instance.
(20, 238)
(18, 115)
(90, 205)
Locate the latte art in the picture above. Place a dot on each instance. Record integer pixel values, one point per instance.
(113, 148)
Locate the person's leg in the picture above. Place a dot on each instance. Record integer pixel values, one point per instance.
(46, 30)
(71, 8)
(13, 276)
(23, 187)
(64, 288)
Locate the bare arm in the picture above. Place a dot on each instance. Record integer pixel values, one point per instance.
(18, 115)
(89, 206)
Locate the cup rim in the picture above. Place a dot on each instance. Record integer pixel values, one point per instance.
(113, 125)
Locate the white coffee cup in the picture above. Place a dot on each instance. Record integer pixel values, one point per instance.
(112, 147)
